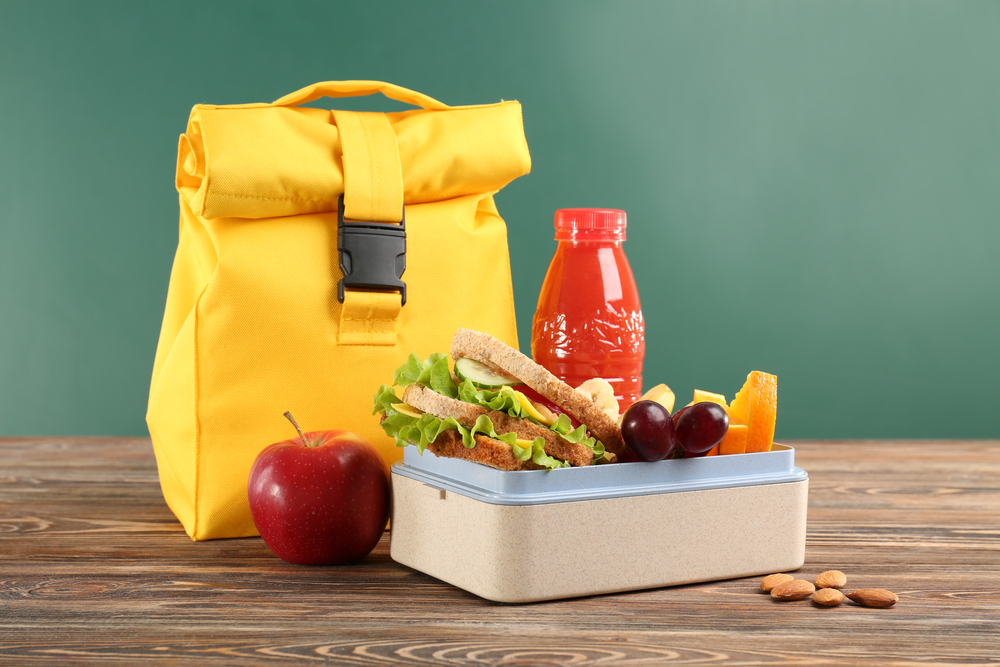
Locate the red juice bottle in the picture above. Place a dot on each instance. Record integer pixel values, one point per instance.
(588, 322)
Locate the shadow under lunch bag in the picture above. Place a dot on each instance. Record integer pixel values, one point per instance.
(260, 317)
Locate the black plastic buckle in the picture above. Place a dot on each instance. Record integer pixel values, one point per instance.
(372, 254)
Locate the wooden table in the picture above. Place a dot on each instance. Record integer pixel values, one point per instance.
(95, 569)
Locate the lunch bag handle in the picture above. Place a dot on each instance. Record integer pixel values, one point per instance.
(358, 89)
(373, 194)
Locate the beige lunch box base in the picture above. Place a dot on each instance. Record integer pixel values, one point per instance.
(529, 553)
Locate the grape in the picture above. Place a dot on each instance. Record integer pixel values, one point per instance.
(701, 427)
(628, 457)
(677, 415)
(648, 431)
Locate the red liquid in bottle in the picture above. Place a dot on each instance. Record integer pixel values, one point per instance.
(588, 322)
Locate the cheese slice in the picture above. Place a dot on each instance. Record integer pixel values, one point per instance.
(536, 411)
(407, 410)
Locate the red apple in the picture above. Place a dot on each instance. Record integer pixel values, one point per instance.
(321, 498)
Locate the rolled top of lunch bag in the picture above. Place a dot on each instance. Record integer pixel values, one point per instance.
(268, 160)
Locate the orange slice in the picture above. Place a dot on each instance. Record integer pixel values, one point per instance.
(739, 409)
(756, 406)
(735, 440)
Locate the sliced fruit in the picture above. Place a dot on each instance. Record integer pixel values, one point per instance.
(482, 375)
(708, 397)
(539, 413)
(763, 414)
(735, 440)
(739, 409)
(756, 406)
(600, 392)
(662, 394)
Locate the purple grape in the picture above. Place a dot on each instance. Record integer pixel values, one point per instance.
(648, 431)
(701, 427)
(677, 415)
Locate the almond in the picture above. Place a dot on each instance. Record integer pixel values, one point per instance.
(874, 597)
(831, 579)
(828, 597)
(796, 589)
(772, 580)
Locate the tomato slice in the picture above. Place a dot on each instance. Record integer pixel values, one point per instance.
(541, 400)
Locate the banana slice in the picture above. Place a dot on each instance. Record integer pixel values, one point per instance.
(600, 392)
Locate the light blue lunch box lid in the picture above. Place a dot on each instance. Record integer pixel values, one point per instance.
(618, 480)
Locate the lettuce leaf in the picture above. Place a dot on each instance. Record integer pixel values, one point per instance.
(410, 371)
(434, 372)
(578, 436)
(523, 453)
(422, 431)
(502, 400)
(384, 399)
(536, 452)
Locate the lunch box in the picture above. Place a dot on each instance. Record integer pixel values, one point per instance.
(526, 536)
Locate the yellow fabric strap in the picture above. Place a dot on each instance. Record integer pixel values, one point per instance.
(373, 192)
(373, 177)
(369, 318)
(356, 88)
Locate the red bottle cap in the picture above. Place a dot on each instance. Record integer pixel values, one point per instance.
(590, 224)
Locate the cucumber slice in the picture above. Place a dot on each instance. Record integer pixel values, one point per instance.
(481, 375)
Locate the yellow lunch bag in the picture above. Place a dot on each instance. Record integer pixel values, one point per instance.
(317, 250)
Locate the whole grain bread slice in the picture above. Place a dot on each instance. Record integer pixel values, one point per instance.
(487, 451)
(574, 453)
(496, 354)
(442, 407)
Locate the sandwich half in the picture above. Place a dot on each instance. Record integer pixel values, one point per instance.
(482, 411)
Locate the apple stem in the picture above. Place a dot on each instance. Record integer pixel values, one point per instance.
(292, 419)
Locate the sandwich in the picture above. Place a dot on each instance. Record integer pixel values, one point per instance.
(498, 408)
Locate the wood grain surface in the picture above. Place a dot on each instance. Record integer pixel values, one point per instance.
(94, 569)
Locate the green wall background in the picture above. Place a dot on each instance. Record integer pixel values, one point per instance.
(812, 187)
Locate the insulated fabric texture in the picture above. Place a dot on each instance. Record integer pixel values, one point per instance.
(253, 325)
